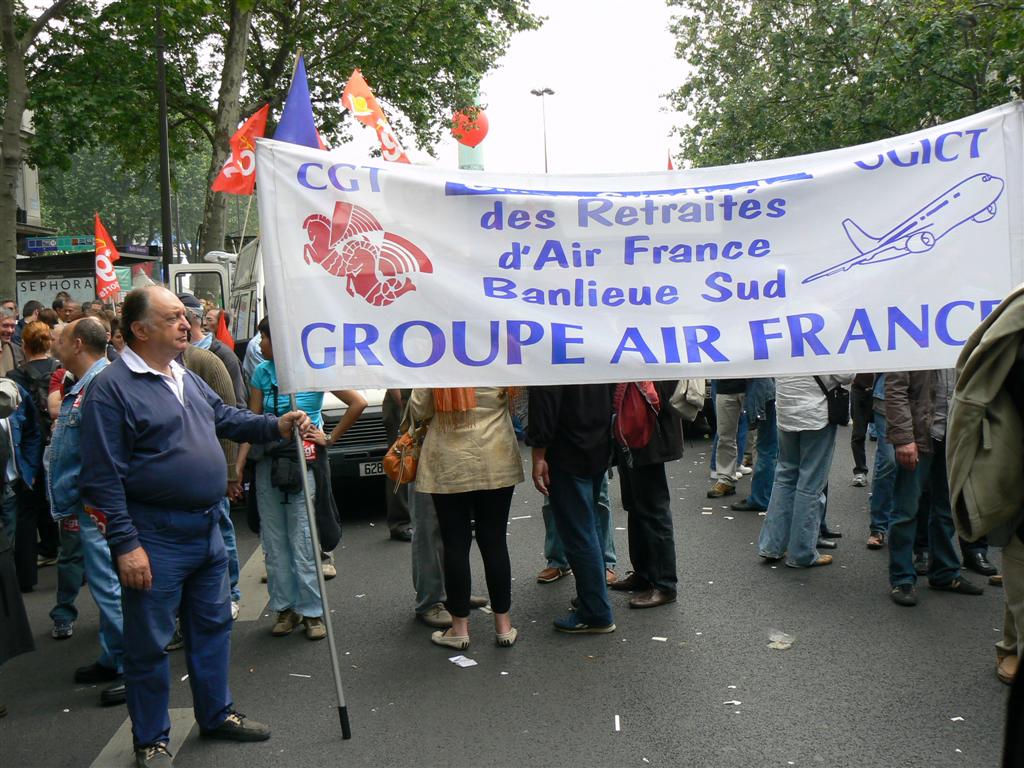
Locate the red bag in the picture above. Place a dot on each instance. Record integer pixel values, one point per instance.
(635, 413)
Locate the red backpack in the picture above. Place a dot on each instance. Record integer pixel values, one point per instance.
(635, 413)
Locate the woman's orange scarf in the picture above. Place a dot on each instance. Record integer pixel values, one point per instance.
(453, 406)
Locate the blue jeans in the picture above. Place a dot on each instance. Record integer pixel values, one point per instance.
(574, 502)
(70, 570)
(290, 558)
(929, 475)
(190, 570)
(554, 550)
(795, 509)
(884, 480)
(105, 588)
(767, 454)
(227, 530)
(427, 552)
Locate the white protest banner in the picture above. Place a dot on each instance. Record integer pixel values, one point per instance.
(878, 257)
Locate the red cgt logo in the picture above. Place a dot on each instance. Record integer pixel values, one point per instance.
(353, 245)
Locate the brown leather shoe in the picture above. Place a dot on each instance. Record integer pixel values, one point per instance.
(1006, 670)
(549, 575)
(652, 598)
(720, 489)
(632, 583)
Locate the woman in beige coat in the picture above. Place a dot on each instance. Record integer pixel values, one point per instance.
(470, 464)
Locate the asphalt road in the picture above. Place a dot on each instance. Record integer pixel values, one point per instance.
(866, 683)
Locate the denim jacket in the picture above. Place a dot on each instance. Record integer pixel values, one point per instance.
(65, 456)
(759, 392)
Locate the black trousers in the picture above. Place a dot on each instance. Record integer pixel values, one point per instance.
(25, 548)
(861, 409)
(455, 515)
(652, 546)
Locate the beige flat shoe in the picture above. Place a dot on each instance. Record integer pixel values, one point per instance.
(458, 642)
(507, 639)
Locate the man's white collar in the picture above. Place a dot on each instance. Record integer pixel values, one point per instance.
(136, 364)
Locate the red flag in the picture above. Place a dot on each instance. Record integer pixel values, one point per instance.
(223, 334)
(670, 166)
(238, 176)
(360, 101)
(106, 254)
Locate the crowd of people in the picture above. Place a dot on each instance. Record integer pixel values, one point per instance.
(174, 428)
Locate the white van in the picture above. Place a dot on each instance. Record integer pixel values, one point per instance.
(360, 451)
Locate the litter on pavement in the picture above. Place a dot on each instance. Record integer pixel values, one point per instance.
(462, 661)
(780, 641)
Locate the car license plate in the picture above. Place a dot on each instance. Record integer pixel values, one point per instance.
(371, 468)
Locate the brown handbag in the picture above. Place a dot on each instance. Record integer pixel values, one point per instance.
(402, 458)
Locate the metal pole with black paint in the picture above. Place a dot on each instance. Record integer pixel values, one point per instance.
(346, 730)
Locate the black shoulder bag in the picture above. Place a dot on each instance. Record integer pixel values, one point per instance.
(285, 472)
(838, 401)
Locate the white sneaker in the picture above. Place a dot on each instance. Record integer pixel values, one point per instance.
(330, 571)
(745, 470)
(860, 480)
(234, 611)
(737, 476)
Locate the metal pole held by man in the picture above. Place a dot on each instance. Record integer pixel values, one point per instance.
(346, 728)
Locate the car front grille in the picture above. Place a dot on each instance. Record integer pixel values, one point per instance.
(367, 431)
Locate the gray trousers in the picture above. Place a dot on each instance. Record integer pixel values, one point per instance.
(427, 551)
(729, 408)
(1012, 643)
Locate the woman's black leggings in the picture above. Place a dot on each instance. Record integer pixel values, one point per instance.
(455, 513)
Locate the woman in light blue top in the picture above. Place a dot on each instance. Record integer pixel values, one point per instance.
(284, 527)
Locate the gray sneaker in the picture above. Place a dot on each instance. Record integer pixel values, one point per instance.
(177, 641)
(315, 628)
(286, 621)
(436, 616)
(153, 756)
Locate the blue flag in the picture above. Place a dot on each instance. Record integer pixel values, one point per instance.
(296, 125)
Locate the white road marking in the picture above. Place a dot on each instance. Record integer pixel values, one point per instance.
(119, 751)
(254, 594)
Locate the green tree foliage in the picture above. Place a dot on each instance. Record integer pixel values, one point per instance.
(775, 78)
(129, 200)
(423, 59)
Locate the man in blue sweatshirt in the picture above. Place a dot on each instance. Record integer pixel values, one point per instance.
(146, 424)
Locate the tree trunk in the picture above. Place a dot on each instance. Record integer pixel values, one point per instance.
(12, 150)
(228, 115)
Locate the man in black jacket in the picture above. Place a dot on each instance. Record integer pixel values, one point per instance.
(570, 431)
(646, 497)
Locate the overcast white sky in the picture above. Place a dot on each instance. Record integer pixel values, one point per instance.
(608, 62)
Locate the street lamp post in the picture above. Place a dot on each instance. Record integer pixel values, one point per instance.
(542, 92)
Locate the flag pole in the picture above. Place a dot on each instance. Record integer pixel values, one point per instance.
(245, 223)
(346, 730)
